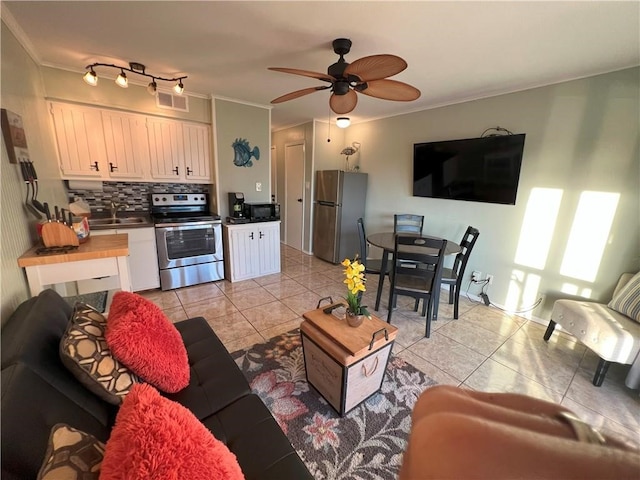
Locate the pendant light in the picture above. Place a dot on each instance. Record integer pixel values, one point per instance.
(178, 87)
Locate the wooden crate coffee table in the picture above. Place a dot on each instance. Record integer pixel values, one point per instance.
(345, 364)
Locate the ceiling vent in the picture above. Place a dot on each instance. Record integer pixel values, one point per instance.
(172, 102)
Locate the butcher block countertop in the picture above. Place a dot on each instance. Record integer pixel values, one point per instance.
(95, 247)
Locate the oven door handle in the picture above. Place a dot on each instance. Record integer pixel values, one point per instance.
(186, 226)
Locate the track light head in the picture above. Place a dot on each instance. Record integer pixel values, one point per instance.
(152, 88)
(121, 80)
(178, 87)
(90, 78)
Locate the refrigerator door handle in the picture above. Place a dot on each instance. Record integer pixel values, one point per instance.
(327, 204)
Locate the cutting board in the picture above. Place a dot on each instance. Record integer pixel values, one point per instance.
(56, 234)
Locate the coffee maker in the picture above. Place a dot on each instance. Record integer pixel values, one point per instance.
(236, 208)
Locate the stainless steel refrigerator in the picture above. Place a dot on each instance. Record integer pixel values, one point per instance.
(339, 201)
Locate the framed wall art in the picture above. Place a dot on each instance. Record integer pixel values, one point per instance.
(14, 137)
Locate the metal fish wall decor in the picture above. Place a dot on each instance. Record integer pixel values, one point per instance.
(243, 153)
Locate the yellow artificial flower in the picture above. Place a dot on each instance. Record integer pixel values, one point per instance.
(355, 282)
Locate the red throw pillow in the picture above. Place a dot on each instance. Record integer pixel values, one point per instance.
(144, 339)
(156, 438)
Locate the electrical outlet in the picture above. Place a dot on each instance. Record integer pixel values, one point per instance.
(489, 279)
(258, 186)
(475, 276)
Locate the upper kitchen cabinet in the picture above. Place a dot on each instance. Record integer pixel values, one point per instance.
(197, 160)
(127, 145)
(81, 147)
(166, 147)
(179, 151)
(113, 145)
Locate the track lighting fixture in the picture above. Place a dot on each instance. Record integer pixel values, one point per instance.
(91, 78)
(343, 122)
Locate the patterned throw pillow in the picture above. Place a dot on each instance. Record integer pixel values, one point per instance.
(84, 351)
(627, 300)
(142, 337)
(71, 455)
(156, 438)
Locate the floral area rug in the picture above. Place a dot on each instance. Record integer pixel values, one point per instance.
(367, 443)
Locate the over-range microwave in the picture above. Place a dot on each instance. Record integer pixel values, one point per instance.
(262, 212)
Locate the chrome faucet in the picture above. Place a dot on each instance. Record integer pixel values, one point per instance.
(115, 206)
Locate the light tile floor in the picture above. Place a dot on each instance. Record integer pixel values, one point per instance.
(485, 349)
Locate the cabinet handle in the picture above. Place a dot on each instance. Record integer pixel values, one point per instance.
(375, 367)
(176, 171)
(251, 235)
(189, 171)
(94, 166)
(261, 234)
(112, 167)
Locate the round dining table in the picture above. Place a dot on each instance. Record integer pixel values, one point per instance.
(387, 241)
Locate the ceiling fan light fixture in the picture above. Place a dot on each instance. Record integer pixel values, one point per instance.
(178, 87)
(90, 78)
(121, 80)
(343, 122)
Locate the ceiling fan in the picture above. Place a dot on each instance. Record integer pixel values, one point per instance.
(368, 75)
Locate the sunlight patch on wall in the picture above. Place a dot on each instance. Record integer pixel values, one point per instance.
(589, 235)
(538, 227)
(569, 288)
(523, 291)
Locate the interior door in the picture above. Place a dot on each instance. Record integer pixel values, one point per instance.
(294, 194)
(274, 174)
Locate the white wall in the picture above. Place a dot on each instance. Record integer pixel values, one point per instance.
(582, 136)
(22, 92)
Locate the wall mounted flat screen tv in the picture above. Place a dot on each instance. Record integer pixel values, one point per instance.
(483, 169)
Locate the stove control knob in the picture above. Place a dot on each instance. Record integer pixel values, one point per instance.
(164, 199)
(156, 199)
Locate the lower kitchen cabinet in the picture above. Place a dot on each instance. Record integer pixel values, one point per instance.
(143, 262)
(251, 250)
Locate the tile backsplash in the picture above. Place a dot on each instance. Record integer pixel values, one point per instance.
(134, 195)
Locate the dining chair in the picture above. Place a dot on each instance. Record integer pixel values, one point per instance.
(370, 265)
(453, 276)
(408, 223)
(417, 270)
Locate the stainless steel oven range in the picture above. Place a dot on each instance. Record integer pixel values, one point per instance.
(189, 239)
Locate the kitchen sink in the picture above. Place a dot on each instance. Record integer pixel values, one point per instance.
(103, 222)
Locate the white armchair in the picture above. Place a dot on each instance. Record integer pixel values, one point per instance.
(613, 336)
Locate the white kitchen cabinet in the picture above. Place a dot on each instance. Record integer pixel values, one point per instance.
(179, 151)
(81, 148)
(197, 161)
(166, 149)
(251, 250)
(127, 145)
(143, 262)
(102, 144)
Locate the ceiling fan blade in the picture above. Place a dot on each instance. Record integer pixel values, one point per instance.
(298, 94)
(305, 73)
(391, 90)
(343, 103)
(376, 67)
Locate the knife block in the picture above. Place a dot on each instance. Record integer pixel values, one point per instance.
(56, 234)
